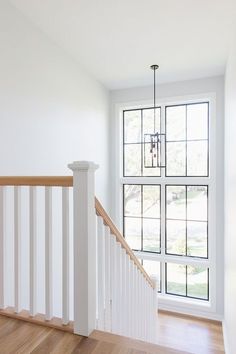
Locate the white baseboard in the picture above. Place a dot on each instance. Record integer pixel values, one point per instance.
(191, 312)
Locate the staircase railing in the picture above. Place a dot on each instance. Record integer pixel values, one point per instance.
(42, 245)
(127, 297)
(31, 287)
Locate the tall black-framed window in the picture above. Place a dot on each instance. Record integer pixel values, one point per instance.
(166, 211)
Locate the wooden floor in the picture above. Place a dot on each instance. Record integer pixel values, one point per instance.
(193, 335)
(181, 335)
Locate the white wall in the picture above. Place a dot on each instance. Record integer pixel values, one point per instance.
(51, 111)
(178, 89)
(230, 204)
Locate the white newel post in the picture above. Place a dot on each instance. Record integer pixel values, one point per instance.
(84, 247)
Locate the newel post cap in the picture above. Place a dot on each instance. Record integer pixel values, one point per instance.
(83, 166)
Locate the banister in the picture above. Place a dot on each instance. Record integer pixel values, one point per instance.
(67, 181)
(45, 181)
(108, 221)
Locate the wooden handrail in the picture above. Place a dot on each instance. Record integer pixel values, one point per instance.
(49, 181)
(67, 181)
(107, 221)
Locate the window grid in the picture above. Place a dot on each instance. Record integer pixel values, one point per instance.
(142, 217)
(141, 143)
(187, 140)
(186, 285)
(186, 221)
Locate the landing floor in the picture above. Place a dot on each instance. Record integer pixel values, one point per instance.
(178, 335)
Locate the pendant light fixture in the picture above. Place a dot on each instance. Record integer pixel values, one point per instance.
(152, 141)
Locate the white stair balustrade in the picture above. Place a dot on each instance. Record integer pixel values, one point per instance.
(111, 290)
(132, 300)
(30, 292)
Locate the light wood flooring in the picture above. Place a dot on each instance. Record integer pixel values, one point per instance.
(178, 335)
(193, 335)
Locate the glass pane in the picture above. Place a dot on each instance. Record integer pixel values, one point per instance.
(197, 121)
(197, 161)
(176, 279)
(150, 160)
(151, 235)
(197, 238)
(153, 268)
(132, 160)
(176, 237)
(133, 232)
(132, 126)
(148, 121)
(151, 201)
(197, 280)
(176, 123)
(176, 202)
(176, 159)
(132, 200)
(197, 203)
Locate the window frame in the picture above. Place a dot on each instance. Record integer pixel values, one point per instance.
(166, 301)
(186, 148)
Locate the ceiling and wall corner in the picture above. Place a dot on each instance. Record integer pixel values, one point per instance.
(117, 40)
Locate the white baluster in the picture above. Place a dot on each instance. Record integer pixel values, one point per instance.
(107, 280)
(132, 305)
(139, 306)
(150, 315)
(17, 247)
(33, 250)
(136, 302)
(128, 296)
(155, 308)
(114, 309)
(123, 297)
(145, 310)
(2, 245)
(48, 253)
(101, 273)
(84, 247)
(65, 255)
(119, 288)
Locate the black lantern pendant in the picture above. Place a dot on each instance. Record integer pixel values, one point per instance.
(152, 141)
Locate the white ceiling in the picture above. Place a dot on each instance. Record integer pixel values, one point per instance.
(117, 40)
